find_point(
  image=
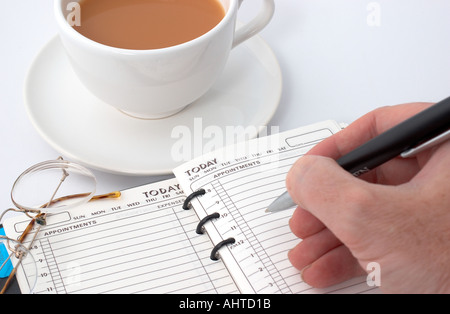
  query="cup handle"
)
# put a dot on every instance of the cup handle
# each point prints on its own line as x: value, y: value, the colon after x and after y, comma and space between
x: 256, y: 25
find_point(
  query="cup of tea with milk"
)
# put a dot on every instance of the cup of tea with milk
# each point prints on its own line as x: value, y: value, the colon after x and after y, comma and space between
x: 152, y: 58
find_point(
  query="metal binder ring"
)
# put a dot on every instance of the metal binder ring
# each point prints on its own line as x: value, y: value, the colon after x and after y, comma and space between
x: 187, y: 202
x: 200, y: 229
x: 214, y: 253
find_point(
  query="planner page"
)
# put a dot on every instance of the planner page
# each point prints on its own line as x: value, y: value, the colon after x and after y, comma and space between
x: 240, y: 182
x: 143, y: 242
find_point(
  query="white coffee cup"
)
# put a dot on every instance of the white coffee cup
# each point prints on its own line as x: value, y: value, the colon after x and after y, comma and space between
x: 160, y: 82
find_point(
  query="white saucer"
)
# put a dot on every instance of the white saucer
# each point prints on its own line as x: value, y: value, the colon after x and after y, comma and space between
x: 86, y: 130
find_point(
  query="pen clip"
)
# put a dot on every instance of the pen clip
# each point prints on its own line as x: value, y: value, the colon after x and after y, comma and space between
x: 441, y: 138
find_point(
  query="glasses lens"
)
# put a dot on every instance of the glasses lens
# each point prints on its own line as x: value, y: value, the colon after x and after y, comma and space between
x: 53, y: 185
x: 12, y: 254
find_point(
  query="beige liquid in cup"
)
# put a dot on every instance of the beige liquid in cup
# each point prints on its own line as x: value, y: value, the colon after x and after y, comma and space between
x: 147, y: 24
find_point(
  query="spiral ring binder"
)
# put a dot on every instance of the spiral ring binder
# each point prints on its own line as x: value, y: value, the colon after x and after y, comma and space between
x: 200, y: 229
x: 214, y: 253
x: 187, y: 202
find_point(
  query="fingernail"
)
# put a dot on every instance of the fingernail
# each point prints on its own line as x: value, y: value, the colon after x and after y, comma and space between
x: 302, y: 272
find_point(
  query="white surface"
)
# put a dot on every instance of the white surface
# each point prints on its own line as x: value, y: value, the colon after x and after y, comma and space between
x: 93, y: 133
x: 335, y: 66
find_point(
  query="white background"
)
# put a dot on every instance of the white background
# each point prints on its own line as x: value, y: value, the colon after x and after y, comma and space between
x: 335, y: 65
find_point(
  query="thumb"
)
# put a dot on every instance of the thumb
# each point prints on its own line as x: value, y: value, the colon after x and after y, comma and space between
x: 319, y: 185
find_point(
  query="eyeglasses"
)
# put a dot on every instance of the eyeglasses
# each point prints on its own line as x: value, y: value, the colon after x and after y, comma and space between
x: 42, y: 190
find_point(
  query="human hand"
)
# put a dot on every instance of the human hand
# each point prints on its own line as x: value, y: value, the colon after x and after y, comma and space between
x: 398, y: 215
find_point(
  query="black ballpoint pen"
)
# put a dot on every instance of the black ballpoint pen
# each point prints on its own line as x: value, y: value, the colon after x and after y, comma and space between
x: 427, y: 128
